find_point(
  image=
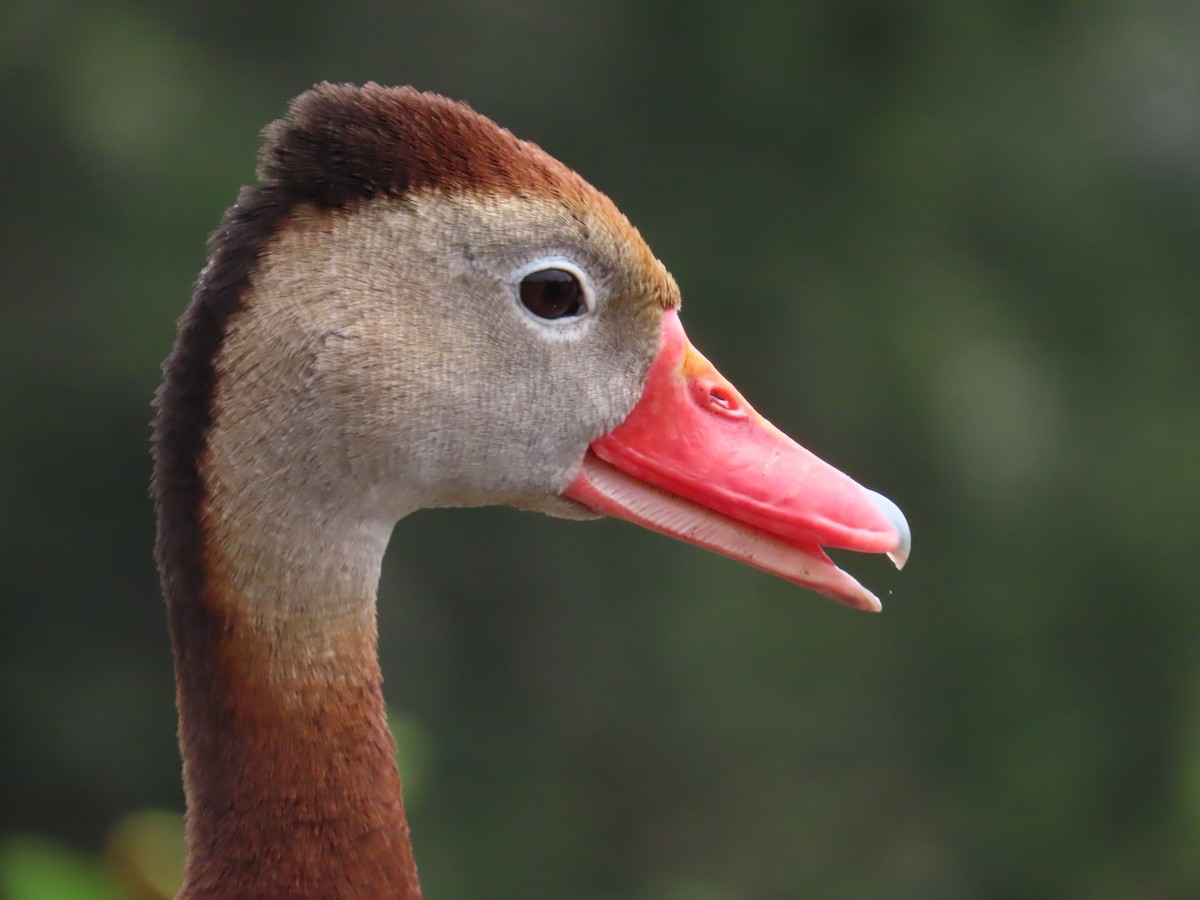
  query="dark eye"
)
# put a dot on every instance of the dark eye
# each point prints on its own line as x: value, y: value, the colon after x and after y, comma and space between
x: 553, y: 294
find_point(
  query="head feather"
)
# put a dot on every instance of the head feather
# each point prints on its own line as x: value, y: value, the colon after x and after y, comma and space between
x: 340, y: 143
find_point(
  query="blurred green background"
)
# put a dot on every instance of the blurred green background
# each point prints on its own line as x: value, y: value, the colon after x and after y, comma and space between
x: 951, y: 246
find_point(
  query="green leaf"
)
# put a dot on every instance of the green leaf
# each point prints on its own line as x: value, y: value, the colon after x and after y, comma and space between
x: 33, y: 868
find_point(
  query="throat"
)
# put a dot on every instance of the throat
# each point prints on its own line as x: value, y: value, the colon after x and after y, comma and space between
x: 289, y: 767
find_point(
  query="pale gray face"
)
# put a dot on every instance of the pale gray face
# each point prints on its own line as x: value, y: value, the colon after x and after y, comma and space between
x: 386, y: 358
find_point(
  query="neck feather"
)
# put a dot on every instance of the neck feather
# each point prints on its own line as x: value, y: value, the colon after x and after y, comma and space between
x: 289, y: 767
x: 289, y: 770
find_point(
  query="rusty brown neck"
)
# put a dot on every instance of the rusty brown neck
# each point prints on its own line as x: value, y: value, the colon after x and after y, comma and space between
x: 289, y: 767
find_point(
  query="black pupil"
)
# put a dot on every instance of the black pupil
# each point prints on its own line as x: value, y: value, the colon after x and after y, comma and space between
x: 552, y: 294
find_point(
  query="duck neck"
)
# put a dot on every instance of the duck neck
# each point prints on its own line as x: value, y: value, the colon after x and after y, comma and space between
x: 289, y: 767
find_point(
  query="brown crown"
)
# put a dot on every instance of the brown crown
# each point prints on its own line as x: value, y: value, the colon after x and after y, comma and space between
x: 340, y: 143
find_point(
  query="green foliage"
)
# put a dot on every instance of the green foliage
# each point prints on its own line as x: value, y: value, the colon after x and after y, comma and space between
x: 147, y: 849
x: 37, y: 869
x: 950, y: 246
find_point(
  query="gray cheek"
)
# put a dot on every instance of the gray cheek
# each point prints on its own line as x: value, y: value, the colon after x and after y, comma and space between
x: 519, y: 432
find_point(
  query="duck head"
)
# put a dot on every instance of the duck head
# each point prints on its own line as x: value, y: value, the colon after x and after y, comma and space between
x: 439, y: 314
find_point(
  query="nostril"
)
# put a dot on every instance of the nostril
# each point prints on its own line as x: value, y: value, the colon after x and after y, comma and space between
x: 722, y: 398
x: 716, y: 396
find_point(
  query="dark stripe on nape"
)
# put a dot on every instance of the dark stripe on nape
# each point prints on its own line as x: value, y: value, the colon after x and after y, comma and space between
x: 184, y: 415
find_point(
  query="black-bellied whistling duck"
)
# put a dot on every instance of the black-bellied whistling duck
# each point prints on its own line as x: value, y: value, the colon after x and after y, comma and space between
x: 416, y: 309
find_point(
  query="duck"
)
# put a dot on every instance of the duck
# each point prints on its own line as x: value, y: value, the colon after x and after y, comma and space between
x: 413, y: 308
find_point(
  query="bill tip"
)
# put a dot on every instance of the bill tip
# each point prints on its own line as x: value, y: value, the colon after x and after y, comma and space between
x: 900, y: 553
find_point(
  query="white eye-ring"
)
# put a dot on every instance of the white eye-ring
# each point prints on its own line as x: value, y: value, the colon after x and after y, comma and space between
x: 555, y: 292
